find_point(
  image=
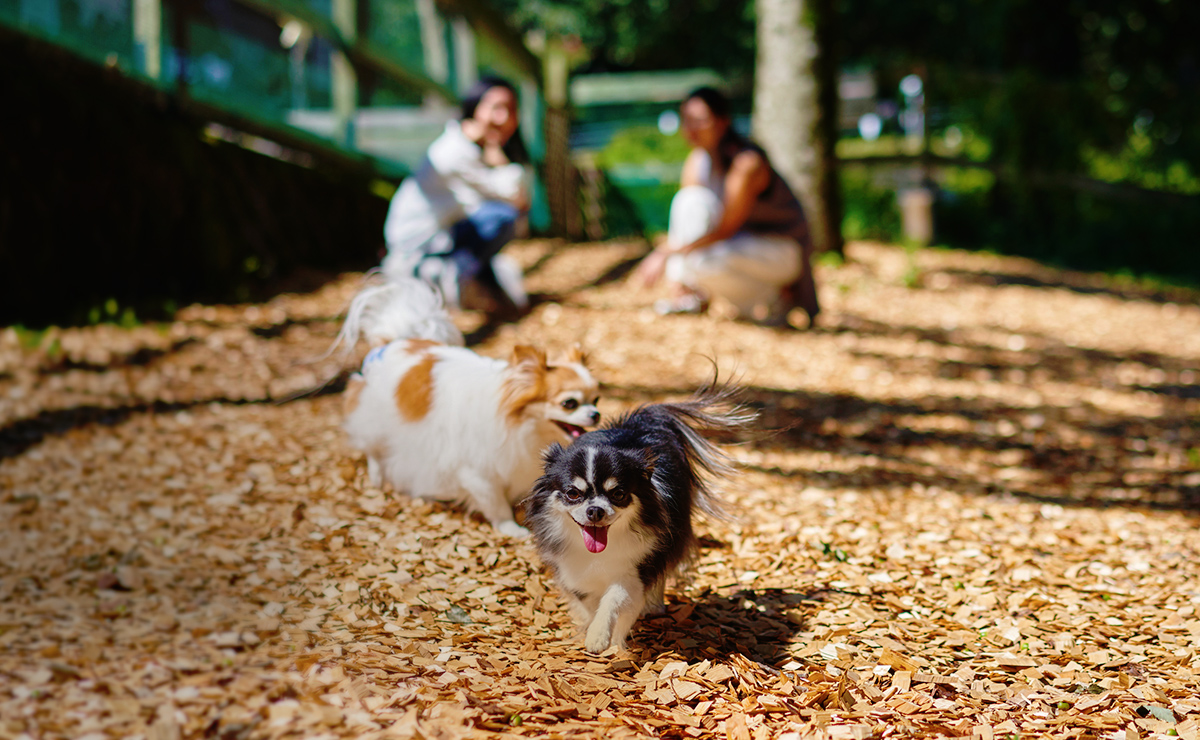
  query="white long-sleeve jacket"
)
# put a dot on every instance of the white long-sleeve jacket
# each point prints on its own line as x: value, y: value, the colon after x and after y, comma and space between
x: 449, y: 184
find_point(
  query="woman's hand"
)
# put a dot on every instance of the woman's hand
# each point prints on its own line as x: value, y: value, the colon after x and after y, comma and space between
x: 653, y: 266
x: 494, y: 156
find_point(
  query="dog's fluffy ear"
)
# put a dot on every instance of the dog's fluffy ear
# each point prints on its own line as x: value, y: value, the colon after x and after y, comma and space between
x: 525, y: 382
x: 552, y: 454
x: 575, y: 355
x: 524, y: 354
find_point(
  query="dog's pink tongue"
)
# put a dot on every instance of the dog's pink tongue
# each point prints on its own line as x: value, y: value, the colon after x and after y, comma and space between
x: 595, y: 538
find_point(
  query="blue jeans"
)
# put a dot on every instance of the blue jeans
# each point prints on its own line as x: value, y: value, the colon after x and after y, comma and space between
x: 481, y: 236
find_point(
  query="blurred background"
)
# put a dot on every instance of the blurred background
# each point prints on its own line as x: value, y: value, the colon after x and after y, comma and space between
x: 160, y: 152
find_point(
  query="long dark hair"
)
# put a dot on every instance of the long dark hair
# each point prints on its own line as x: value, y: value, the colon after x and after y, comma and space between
x: 720, y: 107
x: 514, y: 149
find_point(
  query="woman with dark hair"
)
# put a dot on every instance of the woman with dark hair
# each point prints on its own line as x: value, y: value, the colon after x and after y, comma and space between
x: 450, y: 218
x: 736, y: 231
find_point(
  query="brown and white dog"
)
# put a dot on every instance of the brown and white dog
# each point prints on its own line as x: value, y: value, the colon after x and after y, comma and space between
x: 441, y: 422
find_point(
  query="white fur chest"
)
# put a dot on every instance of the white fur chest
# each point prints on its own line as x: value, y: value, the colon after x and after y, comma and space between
x: 591, y: 573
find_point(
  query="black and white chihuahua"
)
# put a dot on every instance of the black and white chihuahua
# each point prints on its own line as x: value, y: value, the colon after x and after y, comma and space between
x: 612, y: 516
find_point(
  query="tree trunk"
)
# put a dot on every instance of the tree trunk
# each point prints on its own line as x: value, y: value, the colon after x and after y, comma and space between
x: 795, y: 107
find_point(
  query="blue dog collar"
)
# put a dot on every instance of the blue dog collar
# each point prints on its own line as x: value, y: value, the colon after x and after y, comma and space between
x: 375, y: 355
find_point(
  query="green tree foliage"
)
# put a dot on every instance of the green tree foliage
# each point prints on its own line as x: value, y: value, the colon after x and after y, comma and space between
x: 1045, y: 82
x: 1086, y: 112
x: 627, y: 35
x: 1064, y: 94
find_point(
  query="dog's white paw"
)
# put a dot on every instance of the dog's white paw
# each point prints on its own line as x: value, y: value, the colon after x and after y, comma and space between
x: 512, y: 529
x: 597, y: 640
x: 374, y: 473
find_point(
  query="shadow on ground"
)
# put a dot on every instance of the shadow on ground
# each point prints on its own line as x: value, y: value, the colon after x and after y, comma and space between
x: 1071, y: 456
x: 1076, y: 283
x: 20, y: 435
x: 759, y: 624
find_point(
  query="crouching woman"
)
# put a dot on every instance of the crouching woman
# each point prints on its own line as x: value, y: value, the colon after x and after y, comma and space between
x: 449, y: 220
x: 736, y: 231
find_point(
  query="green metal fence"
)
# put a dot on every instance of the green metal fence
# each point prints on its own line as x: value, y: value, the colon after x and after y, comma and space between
x: 369, y: 81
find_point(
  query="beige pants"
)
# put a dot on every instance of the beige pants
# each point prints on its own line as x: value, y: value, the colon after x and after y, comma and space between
x: 748, y: 270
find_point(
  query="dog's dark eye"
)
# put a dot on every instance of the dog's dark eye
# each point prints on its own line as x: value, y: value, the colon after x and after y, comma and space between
x: 619, y: 497
x: 570, y: 404
x: 572, y: 495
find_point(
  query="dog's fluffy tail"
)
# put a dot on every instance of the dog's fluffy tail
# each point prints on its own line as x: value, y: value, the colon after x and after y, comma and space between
x: 396, y: 309
x: 713, y: 408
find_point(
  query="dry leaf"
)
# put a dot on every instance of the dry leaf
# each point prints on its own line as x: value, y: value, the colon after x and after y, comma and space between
x: 966, y: 511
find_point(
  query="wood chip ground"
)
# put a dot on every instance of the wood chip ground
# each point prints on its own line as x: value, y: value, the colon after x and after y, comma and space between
x: 969, y: 509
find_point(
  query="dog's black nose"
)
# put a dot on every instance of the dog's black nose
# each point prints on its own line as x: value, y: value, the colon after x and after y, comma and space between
x: 595, y: 417
x: 595, y: 513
